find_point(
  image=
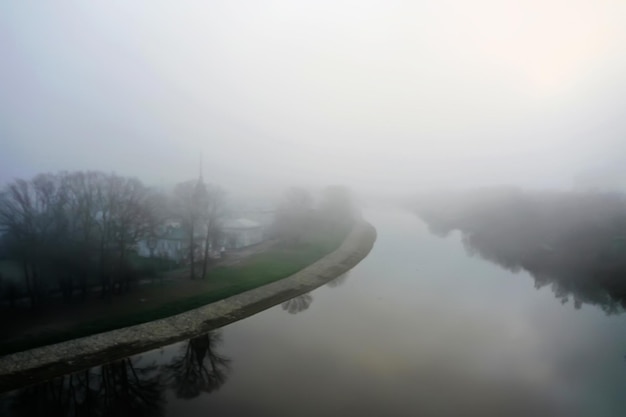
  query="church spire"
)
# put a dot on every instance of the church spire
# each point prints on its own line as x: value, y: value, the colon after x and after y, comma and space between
x: 200, y: 178
x: 200, y: 192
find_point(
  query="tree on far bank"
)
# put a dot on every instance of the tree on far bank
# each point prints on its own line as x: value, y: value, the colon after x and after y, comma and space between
x: 191, y: 201
x: 213, y: 214
x: 294, y: 215
x: 337, y: 205
x: 64, y: 228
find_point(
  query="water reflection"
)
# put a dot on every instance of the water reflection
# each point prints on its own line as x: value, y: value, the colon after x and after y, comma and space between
x: 117, y: 389
x: 339, y: 281
x: 575, y: 243
x: 303, y: 302
x: 199, y: 368
x: 298, y: 304
x: 603, y: 287
x: 126, y: 387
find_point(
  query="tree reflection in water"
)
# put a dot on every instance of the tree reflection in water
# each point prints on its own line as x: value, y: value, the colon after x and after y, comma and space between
x: 339, y: 281
x: 116, y: 389
x: 125, y: 388
x: 199, y: 368
x: 298, y: 304
x: 573, y: 242
x: 303, y: 302
x: 597, y: 282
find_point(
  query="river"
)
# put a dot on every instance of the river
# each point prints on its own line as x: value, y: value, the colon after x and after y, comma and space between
x: 417, y: 328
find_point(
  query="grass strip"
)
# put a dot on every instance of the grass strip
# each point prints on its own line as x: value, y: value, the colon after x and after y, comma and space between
x: 258, y: 270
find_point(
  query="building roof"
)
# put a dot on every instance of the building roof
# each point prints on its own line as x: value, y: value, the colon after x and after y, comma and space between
x: 241, y: 223
x: 177, y: 232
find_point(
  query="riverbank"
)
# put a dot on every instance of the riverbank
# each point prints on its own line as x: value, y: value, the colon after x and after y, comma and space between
x: 24, y: 328
x: 34, y: 365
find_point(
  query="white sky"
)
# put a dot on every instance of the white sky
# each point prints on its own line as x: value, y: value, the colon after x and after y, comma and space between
x: 375, y: 94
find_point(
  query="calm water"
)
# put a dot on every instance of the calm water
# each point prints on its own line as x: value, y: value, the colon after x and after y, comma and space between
x: 418, y: 328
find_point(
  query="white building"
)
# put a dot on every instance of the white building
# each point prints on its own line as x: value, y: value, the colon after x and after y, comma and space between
x: 242, y: 232
x: 171, y: 243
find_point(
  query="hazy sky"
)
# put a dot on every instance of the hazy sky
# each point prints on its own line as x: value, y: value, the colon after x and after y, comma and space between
x: 385, y: 94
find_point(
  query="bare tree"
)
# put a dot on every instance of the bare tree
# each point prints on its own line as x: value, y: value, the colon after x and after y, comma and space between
x: 133, y: 222
x: 213, y: 214
x: 191, y: 202
x: 58, y: 226
x: 32, y: 215
x: 123, y: 217
x: 293, y: 215
x: 82, y: 189
x: 338, y: 206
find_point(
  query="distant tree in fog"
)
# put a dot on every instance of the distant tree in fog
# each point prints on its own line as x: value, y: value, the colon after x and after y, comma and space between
x: 299, y: 220
x: 191, y: 202
x: 32, y: 216
x: 294, y: 215
x: 124, y: 218
x: 338, y: 205
x: 573, y: 241
x: 213, y: 213
x: 83, y: 209
x: 64, y: 228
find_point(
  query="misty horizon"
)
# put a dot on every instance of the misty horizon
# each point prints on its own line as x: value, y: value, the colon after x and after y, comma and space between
x: 373, y: 95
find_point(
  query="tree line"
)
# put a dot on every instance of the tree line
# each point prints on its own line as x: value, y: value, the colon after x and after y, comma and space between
x: 71, y: 231
x: 573, y: 241
x: 301, y: 219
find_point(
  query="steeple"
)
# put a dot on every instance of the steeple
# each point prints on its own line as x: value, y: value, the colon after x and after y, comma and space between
x: 201, y: 195
x: 200, y: 179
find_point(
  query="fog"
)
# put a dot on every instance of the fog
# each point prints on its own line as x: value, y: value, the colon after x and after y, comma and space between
x: 374, y: 95
x: 572, y: 242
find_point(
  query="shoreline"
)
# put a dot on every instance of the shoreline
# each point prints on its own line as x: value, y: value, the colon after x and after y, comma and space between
x: 39, y: 364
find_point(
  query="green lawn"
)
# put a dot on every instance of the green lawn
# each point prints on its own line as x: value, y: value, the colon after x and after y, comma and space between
x: 221, y: 282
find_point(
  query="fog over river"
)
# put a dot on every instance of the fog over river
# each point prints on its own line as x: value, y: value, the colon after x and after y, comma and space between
x: 417, y: 328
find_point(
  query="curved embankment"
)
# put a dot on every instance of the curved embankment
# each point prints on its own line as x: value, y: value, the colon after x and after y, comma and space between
x: 31, y: 366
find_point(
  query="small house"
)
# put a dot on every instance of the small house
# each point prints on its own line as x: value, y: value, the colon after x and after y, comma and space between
x: 242, y: 232
x: 171, y: 242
